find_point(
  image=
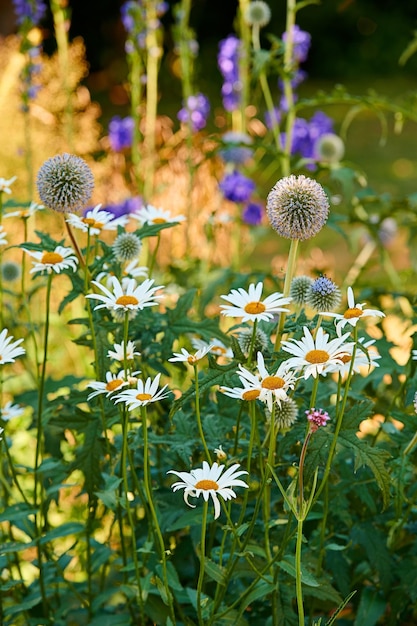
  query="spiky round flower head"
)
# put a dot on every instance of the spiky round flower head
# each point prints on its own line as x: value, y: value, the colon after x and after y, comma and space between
x: 126, y: 247
x: 300, y: 289
x: 297, y: 207
x: 286, y: 414
x: 244, y: 339
x: 10, y: 271
x: 258, y: 13
x: 317, y: 418
x: 329, y: 148
x: 65, y: 183
x: 324, y: 294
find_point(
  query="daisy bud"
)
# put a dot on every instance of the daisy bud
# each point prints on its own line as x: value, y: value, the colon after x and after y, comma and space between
x: 65, y: 183
x: 258, y: 13
x: 244, y: 339
x: 286, y: 414
x: 127, y: 247
x: 324, y: 294
x: 220, y: 453
x: 10, y: 271
x: 297, y: 207
x: 329, y: 148
x: 300, y: 289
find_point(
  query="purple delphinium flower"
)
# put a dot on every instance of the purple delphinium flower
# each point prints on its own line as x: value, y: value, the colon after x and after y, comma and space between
x: 272, y: 118
x: 237, y: 187
x: 32, y: 10
x: 306, y: 133
x: 130, y: 205
x: 228, y: 62
x: 301, y: 43
x: 233, y: 150
x: 252, y: 214
x: 195, y: 111
x: 121, y: 132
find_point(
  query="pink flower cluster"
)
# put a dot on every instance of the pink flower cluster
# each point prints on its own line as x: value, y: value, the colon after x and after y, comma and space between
x: 317, y: 418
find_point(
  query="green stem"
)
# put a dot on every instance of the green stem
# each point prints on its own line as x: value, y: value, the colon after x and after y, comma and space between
x: 61, y: 35
x: 198, y: 414
x: 292, y: 259
x: 202, y: 564
x: 298, y: 585
x: 153, y: 55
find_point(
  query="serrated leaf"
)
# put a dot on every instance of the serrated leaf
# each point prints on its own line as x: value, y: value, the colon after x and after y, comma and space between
x: 215, y: 571
x: 372, y: 457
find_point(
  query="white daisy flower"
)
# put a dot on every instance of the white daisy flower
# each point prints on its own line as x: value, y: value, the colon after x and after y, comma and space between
x: 114, y: 382
x: 133, y: 270
x: 185, y: 357
x: 3, y: 235
x: 249, y: 306
x: 5, y: 184
x: 363, y: 360
x: 26, y: 212
x: 250, y: 390
x: 128, y: 297
x: 144, y: 393
x: 10, y: 410
x: 353, y: 313
x: 118, y: 352
x: 9, y: 349
x: 273, y: 387
x: 317, y: 356
x: 210, y: 482
x: 95, y: 220
x: 152, y: 215
x: 215, y: 347
x: 60, y: 259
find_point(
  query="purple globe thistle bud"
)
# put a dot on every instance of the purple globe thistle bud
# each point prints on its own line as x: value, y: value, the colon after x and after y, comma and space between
x: 126, y: 247
x: 121, y: 132
x: 329, y: 148
x: 228, y: 62
x: 261, y: 343
x: 195, y: 111
x: 257, y: 13
x: 286, y: 414
x: 301, y: 43
x: 252, y: 214
x: 31, y: 10
x: 237, y: 187
x: 297, y: 207
x: 65, y: 183
x: 317, y: 418
x: 130, y: 205
x: 324, y: 294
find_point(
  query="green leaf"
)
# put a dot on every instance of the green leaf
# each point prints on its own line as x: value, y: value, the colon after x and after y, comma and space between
x: 70, y: 528
x: 372, y: 606
x: 287, y: 564
x: 372, y: 457
x: 215, y: 571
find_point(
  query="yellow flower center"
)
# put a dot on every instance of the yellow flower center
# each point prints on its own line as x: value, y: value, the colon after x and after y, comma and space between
x: 126, y: 300
x: 191, y: 359
x: 143, y: 396
x: 251, y: 394
x: 92, y: 222
x: 273, y: 382
x: 159, y: 220
x: 51, y: 258
x: 219, y: 349
x: 206, y: 484
x: 317, y: 356
x: 346, y: 358
x: 114, y: 384
x: 253, y: 308
x: 350, y: 313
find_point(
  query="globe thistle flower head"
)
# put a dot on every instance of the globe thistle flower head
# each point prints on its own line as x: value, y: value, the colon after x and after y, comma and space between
x: 286, y: 413
x: 244, y: 339
x: 126, y: 247
x: 297, y: 207
x: 10, y: 271
x: 317, y: 418
x: 329, y: 148
x: 65, y: 183
x: 324, y: 294
x: 300, y: 289
x: 258, y: 13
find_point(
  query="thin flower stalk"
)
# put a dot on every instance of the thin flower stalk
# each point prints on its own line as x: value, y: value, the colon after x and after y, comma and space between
x: 289, y: 275
x: 198, y: 413
x: 200, y: 582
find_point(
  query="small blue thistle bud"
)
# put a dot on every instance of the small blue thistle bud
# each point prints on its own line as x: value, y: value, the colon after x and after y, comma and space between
x: 329, y: 148
x: 126, y: 247
x: 258, y: 13
x: 10, y: 271
x: 324, y: 294
x: 244, y: 339
x: 65, y: 183
x: 300, y: 289
x: 286, y: 413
